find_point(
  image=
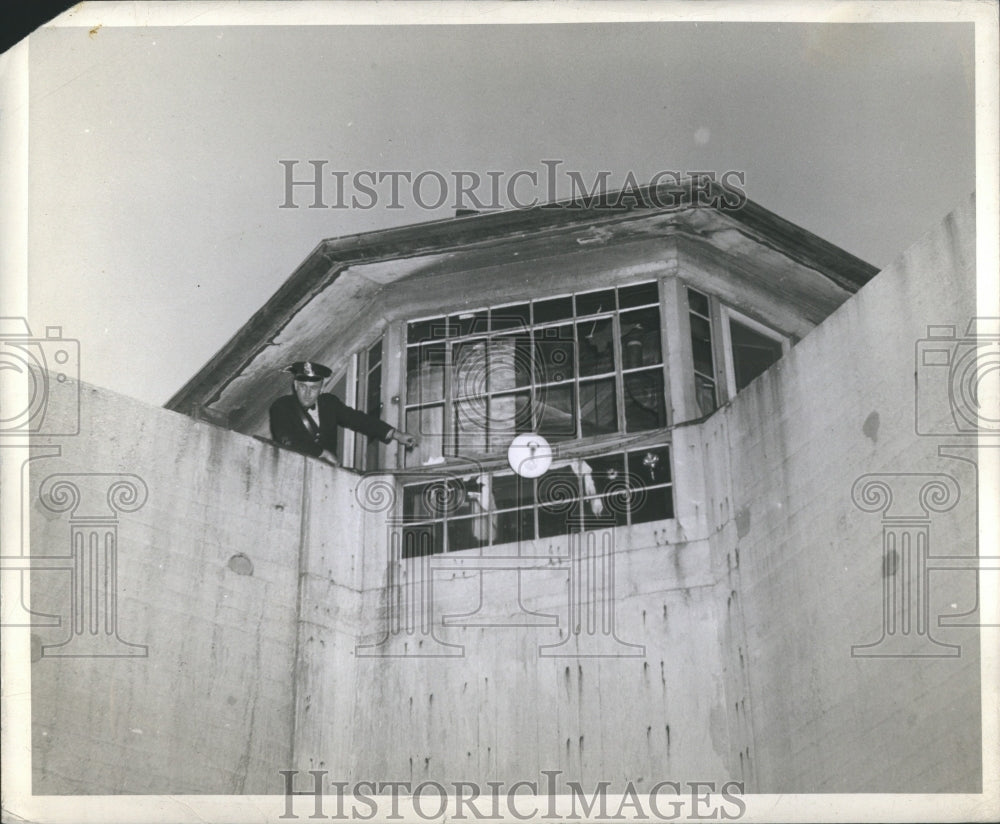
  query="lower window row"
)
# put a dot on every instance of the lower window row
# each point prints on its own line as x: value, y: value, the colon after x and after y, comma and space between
x: 479, y: 509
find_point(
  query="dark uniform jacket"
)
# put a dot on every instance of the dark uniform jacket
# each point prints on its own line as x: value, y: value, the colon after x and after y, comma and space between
x: 292, y: 426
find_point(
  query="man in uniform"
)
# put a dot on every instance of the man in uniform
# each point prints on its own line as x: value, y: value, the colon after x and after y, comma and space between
x: 307, y: 420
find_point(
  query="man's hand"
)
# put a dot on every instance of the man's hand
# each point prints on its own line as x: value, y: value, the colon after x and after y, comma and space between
x: 405, y: 438
x: 329, y: 457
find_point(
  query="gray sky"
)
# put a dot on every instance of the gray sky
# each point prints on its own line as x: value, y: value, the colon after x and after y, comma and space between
x: 155, y: 231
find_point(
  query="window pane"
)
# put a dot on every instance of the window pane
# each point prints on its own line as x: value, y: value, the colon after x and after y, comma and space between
x: 648, y: 470
x: 510, y: 317
x: 555, y: 309
x: 704, y: 391
x: 559, y: 502
x: 427, y: 423
x: 420, y: 502
x: 469, y: 369
x: 638, y: 295
x: 423, y: 539
x: 509, y: 416
x: 596, y: 347
x: 649, y: 466
x: 467, y: 533
x: 555, y: 412
x: 698, y: 302
x: 515, y: 526
x: 554, y: 350
x: 425, y: 373
x: 752, y: 352
x: 645, y: 405
x: 470, y: 426
x: 469, y: 323
x: 510, y: 491
x: 596, y: 512
x: 653, y: 505
x: 373, y: 398
x: 592, y: 303
x: 426, y: 330
x: 509, y: 362
x: 598, y: 407
x: 701, y: 346
x: 641, y: 338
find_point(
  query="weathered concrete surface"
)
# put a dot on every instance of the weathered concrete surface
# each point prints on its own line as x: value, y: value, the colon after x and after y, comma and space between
x: 210, y: 708
x: 789, y: 449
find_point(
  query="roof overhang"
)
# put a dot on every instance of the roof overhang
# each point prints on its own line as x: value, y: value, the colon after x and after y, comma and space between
x: 361, y: 265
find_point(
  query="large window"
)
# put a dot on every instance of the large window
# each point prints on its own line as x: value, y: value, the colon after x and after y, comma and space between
x: 726, y: 347
x: 465, y: 512
x: 576, y: 366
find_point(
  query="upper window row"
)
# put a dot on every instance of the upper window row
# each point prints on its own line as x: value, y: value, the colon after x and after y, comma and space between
x: 576, y: 366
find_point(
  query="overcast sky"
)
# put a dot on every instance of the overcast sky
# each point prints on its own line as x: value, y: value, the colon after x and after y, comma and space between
x: 155, y: 182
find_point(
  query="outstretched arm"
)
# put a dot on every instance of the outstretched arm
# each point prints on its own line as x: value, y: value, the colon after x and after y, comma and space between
x: 371, y: 426
x: 405, y: 438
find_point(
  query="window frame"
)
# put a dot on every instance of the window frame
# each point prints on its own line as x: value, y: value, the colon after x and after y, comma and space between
x: 719, y: 316
x: 727, y: 314
x: 619, y: 372
x: 536, y: 506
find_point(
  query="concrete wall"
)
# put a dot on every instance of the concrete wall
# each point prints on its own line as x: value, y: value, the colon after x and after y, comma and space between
x: 788, y: 451
x: 209, y: 709
x: 498, y: 709
x: 747, y: 604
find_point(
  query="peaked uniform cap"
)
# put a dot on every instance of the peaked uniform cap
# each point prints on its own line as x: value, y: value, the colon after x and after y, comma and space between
x: 308, y: 371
